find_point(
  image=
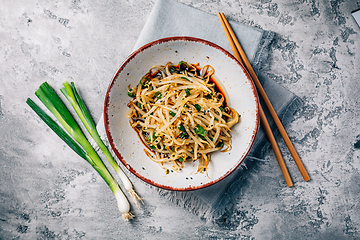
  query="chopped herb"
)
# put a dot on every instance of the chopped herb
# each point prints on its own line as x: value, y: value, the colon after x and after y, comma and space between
x: 181, y: 159
x: 172, y: 113
x: 172, y: 69
x: 220, y: 144
x: 187, y: 91
x: 198, y: 107
x: 144, y: 81
x: 200, y: 131
x: 185, y: 78
x: 152, y: 146
x: 148, y: 137
x: 167, y: 171
x: 183, y: 65
x: 158, y: 95
x: 221, y: 109
x: 186, y: 106
x: 131, y: 93
x: 182, y: 128
x: 183, y: 135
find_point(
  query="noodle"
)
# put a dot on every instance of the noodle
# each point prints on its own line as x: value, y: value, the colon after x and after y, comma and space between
x: 180, y: 115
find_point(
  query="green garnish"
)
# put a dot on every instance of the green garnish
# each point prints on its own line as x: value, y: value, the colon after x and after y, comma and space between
x: 187, y: 91
x: 182, y: 67
x: 183, y: 135
x: 148, y: 137
x: 180, y: 159
x: 144, y: 81
x: 171, y: 69
x: 200, y: 131
x: 182, y: 128
x: 220, y: 144
x: 198, y: 107
x: 158, y: 95
x: 172, y: 113
x: 167, y: 171
x: 131, y: 93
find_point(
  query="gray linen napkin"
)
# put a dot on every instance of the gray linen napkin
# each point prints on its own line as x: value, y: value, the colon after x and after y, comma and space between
x: 170, y: 18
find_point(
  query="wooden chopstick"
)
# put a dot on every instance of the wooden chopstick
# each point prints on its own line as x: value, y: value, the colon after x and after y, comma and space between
x: 264, y: 121
x: 235, y: 45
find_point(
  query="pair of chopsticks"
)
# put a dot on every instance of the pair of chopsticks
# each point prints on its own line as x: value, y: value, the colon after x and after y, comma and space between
x: 240, y: 55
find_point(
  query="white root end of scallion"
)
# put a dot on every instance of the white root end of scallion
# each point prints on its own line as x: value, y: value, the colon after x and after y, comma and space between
x: 135, y: 197
x: 123, y: 205
x: 127, y: 216
x: 128, y: 186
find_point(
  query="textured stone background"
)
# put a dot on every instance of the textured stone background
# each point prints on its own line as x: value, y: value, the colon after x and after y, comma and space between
x: 46, y: 192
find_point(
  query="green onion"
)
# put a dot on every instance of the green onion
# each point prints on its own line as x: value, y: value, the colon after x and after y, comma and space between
x: 220, y: 144
x: 200, y: 131
x: 158, y: 95
x: 181, y: 67
x: 131, y: 93
x: 58, y: 130
x: 198, y: 107
x: 172, y: 113
x: 183, y: 135
x: 148, y: 137
x: 181, y: 159
x: 172, y: 69
x: 144, y: 81
x: 51, y: 100
x: 73, y: 97
x: 187, y: 91
x: 182, y: 128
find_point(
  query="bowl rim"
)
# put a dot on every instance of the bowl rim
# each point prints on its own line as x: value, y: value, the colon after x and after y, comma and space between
x: 123, y: 65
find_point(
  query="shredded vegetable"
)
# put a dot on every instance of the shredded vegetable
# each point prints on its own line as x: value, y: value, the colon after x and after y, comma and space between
x: 181, y: 115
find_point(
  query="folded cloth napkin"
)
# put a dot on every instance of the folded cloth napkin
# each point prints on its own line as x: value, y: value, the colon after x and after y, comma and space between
x: 169, y: 18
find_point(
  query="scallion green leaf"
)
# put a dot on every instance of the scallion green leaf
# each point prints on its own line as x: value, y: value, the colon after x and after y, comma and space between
x: 73, y: 97
x: 51, y: 100
x: 200, y: 131
x: 158, y: 95
x: 198, y: 107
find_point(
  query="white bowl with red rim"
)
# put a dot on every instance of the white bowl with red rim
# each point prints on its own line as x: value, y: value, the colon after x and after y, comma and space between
x: 232, y: 78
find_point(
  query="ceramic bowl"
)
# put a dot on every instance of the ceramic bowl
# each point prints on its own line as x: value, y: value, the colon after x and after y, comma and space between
x: 231, y: 76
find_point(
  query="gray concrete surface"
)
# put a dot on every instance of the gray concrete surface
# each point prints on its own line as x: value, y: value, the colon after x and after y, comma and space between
x: 47, y: 192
